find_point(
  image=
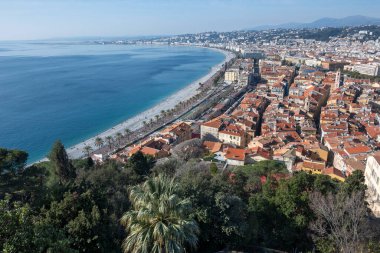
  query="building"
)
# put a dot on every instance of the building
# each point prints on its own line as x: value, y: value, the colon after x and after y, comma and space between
x: 233, y: 134
x: 211, y: 128
x: 178, y: 132
x: 231, y: 76
x: 235, y: 156
x: 333, y: 66
x: 372, y: 180
x: 367, y: 69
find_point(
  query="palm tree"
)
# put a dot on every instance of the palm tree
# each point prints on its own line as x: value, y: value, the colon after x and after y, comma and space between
x: 87, y: 150
x: 118, y: 138
x: 159, y: 221
x: 99, y: 142
x: 157, y: 117
x: 127, y: 132
x: 109, y: 140
x: 163, y: 113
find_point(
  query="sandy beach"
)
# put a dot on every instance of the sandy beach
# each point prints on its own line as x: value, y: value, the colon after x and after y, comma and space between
x: 136, y: 122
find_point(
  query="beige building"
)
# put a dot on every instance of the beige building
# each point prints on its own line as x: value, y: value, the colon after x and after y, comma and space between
x: 233, y: 134
x: 372, y: 180
x: 231, y: 76
x: 211, y: 128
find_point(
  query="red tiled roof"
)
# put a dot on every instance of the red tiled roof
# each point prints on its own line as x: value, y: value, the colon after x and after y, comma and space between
x: 333, y: 171
x: 373, y: 131
x: 357, y: 150
x: 212, y: 146
x: 149, y: 151
x: 313, y: 165
x: 233, y: 130
x: 214, y: 123
x: 235, y: 154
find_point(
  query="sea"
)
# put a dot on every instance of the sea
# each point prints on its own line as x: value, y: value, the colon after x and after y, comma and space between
x: 72, y: 91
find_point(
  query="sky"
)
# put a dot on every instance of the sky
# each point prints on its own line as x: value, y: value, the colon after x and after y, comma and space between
x: 45, y: 19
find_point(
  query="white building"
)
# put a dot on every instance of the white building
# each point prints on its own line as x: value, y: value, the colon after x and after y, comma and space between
x: 372, y: 180
x: 367, y: 69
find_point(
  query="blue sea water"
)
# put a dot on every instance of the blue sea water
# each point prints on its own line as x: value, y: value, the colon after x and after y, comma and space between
x: 73, y: 91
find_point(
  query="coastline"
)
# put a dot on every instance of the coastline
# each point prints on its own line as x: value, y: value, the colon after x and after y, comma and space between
x: 76, y: 151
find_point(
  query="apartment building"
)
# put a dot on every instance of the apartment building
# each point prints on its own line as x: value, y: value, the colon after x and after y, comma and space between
x: 372, y: 180
x: 367, y: 69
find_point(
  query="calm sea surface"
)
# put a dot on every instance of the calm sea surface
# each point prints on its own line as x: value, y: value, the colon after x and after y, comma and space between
x: 51, y: 90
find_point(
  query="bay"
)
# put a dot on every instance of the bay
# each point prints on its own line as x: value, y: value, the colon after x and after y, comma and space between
x: 73, y: 91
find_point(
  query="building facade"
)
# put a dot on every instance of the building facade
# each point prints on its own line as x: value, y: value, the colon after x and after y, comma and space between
x: 372, y: 180
x: 367, y: 69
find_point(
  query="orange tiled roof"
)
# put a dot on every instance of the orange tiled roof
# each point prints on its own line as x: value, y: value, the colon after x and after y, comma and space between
x: 233, y: 130
x: 214, y: 123
x: 313, y: 165
x: 212, y: 146
x: 358, y: 150
x: 235, y: 154
x: 333, y: 171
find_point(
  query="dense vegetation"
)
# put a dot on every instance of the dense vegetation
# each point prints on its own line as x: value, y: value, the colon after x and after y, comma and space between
x: 176, y: 204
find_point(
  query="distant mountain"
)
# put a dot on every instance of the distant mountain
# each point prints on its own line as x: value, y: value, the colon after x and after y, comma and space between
x: 325, y: 22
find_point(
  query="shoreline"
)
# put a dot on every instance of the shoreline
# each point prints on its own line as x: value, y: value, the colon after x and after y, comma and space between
x: 135, y: 122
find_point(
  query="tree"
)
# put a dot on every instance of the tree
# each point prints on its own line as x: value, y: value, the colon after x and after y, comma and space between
x: 87, y: 150
x: 220, y: 213
x: 160, y: 219
x: 27, y: 185
x: 99, y: 142
x: 127, y: 133
x: 83, y: 217
x: 354, y: 183
x: 12, y: 160
x: 61, y: 163
x: 109, y: 140
x: 340, y: 219
x: 163, y: 113
x: 140, y: 163
x: 119, y: 136
x: 16, y: 233
x: 213, y: 168
x: 21, y: 232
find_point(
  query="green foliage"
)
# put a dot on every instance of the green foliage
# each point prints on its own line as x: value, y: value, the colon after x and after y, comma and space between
x: 86, y: 163
x: 83, y: 218
x: 221, y: 214
x: 282, y: 213
x: 213, y: 169
x: 160, y: 219
x: 263, y: 168
x: 354, y: 183
x: 63, y: 168
x: 16, y: 233
x: 76, y: 206
x: 22, y: 232
x: 141, y: 164
x: 11, y: 161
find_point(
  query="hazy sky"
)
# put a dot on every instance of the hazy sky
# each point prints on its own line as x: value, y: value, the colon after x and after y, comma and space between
x: 36, y: 19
